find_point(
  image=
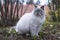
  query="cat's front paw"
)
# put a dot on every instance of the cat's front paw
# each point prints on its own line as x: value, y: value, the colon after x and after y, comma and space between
x: 36, y: 35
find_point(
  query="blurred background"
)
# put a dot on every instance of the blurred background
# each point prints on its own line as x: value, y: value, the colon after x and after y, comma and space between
x: 12, y: 10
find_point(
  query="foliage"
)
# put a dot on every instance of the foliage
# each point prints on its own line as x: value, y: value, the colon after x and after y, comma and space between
x: 9, y: 12
x: 53, y: 16
x: 55, y: 6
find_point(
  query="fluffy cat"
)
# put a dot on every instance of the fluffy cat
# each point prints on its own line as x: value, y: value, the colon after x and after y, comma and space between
x: 31, y: 22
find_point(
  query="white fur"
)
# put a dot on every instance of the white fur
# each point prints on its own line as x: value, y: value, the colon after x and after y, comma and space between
x: 29, y: 22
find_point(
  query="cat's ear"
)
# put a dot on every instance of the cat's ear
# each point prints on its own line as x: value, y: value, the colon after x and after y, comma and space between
x: 35, y: 6
x: 42, y: 7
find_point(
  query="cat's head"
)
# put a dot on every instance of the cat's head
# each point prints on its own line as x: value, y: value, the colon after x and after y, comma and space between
x: 38, y: 11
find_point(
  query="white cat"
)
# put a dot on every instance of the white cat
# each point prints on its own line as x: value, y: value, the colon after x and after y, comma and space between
x: 31, y: 22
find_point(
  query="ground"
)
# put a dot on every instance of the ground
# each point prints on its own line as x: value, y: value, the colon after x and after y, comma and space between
x: 50, y: 31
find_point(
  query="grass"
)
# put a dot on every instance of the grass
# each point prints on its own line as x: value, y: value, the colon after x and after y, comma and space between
x: 50, y: 30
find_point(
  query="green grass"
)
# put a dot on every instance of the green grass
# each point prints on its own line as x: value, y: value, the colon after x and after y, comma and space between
x: 51, y: 23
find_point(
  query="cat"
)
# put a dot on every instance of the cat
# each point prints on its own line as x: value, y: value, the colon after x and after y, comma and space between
x: 31, y: 22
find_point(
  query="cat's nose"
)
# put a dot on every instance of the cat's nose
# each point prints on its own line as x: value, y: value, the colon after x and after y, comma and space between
x: 38, y: 14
